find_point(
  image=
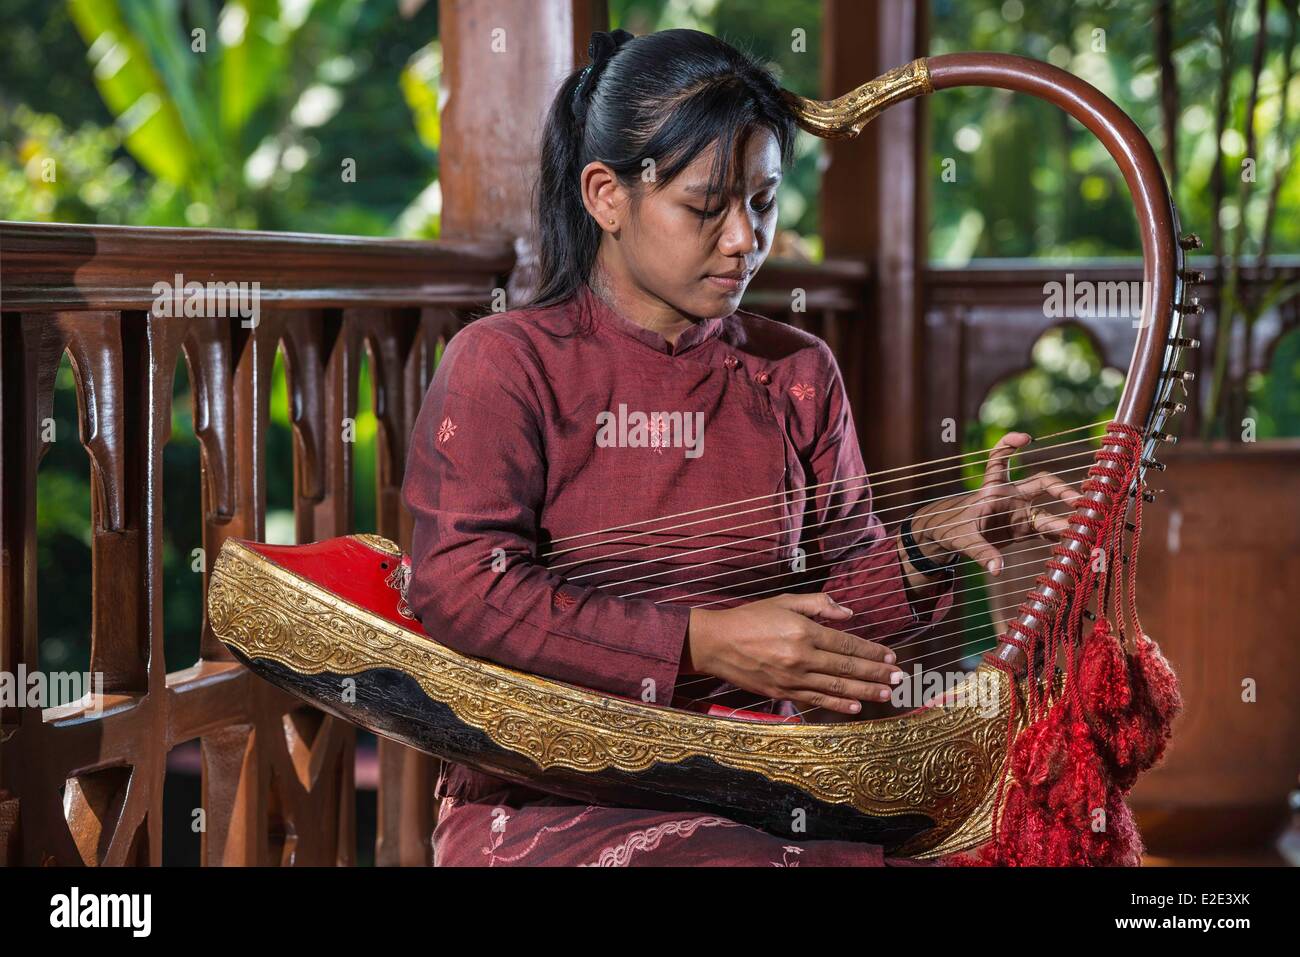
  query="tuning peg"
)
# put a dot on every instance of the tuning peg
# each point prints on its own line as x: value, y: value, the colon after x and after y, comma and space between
x: 1165, y: 437
x: 1153, y: 464
x: 1186, y: 342
x: 1192, y: 276
x: 1190, y: 241
x: 1191, y: 308
x: 1184, y: 375
x: 1173, y: 408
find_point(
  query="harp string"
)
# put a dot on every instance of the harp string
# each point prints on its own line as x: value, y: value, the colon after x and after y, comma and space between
x: 887, y: 531
x: 924, y: 671
x: 928, y: 670
x: 810, y: 581
x: 913, y: 642
x: 865, y: 485
x: 940, y: 631
x: 874, y: 498
x: 947, y: 649
x: 787, y: 585
x: 946, y: 621
x: 995, y: 615
x: 870, y: 517
x: 930, y: 635
x: 922, y: 636
x: 868, y: 475
x: 914, y: 638
x: 898, y: 591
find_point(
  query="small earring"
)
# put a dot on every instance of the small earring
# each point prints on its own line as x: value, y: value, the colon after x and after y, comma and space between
x: 611, y: 222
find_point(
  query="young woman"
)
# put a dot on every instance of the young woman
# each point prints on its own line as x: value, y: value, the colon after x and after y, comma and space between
x: 554, y: 437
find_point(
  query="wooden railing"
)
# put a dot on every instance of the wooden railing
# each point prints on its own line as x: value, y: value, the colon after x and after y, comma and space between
x: 982, y: 321
x: 83, y: 783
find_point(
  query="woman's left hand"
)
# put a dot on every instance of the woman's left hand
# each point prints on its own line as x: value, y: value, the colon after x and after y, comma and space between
x: 979, y: 524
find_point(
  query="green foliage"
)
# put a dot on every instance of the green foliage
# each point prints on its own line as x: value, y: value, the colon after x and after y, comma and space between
x: 364, y: 452
x: 51, y: 173
x: 1274, y: 400
x: 133, y: 87
x: 1066, y: 387
x: 237, y: 114
x: 420, y: 79
x: 1032, y: 182
x: 1014, y: 176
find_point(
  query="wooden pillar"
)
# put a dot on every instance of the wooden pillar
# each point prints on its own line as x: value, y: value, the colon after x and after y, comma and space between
x: 873, y: 209
x: 502, y: 63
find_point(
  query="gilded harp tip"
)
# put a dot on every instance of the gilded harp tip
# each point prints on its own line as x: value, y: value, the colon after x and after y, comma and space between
x: 844, y: 117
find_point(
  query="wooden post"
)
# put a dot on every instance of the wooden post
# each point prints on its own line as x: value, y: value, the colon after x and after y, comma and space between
x: 502, y: 63
x: 873, y: 210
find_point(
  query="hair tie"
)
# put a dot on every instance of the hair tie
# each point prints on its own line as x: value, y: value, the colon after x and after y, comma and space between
x: 603, y: 45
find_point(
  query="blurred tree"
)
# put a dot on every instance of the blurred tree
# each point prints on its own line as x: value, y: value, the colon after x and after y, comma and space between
x: 1273, y: 399
x: 236, y: 115
x: 51, y: 173
x: 1031, y: 182
x: 1066, y: 387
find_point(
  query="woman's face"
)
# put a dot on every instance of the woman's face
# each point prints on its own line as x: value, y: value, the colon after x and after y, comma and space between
x: 694, y: 257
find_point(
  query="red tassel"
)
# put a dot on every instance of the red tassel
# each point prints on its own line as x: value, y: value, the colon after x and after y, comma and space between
x: 1104, y: 676
x: 1084, y: 783
x: 1040, y: 752
x: 1160, y: 702
x: 1062, y: 802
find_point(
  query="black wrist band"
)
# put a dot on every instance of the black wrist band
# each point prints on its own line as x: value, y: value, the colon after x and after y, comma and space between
x: 922, y: 564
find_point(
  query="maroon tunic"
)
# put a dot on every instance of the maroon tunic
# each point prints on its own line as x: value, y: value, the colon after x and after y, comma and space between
x: 549, y: 448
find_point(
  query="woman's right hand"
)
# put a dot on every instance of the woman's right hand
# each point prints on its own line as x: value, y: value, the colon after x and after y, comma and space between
x: 777, y: 648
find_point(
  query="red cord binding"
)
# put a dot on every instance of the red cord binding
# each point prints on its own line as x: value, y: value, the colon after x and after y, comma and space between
x: 1081, y: 748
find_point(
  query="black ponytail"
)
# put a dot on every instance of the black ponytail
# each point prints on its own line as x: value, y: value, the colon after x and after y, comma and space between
x: 664, y: 96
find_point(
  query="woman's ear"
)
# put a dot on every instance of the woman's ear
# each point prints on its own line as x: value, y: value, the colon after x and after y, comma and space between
x: 603, y: 195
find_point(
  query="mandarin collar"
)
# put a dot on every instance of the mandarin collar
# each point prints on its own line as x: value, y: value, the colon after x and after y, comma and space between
x: 605, y: 315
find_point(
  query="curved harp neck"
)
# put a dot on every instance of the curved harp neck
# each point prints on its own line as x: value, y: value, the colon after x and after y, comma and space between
x: 844, y: 117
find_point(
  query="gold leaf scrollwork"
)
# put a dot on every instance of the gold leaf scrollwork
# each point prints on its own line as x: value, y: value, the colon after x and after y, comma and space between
x: 845, y: 117
x: 940, y: 762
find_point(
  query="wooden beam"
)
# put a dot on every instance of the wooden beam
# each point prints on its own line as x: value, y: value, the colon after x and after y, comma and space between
x: 873, y: 208
x: 51, y: 266
x: 502, y: 63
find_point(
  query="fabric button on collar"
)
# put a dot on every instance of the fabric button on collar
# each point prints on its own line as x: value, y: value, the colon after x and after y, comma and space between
x: 731, y: 362
x: 762, y: 378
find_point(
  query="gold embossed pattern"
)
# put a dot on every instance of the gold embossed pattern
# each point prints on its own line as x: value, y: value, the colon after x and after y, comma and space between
x: 844, y: 117
x: 940, y: 762
x: 379, y: 543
